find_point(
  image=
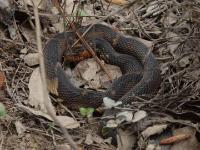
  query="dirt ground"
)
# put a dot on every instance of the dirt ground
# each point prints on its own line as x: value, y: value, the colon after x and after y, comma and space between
x: 170, y: 28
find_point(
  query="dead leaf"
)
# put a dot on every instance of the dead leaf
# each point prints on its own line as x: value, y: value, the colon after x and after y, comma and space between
x: 127, y: 115
x: 35, y: 90
x: 67, y: 122
x: 88, y: 71
x: 109, y: 103
x: 156, y: 129
x: 139, y: 115
x: 111, y: 124
x: 125, y: 140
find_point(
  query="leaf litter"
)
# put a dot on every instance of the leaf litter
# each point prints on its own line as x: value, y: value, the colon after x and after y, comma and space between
x: 169, y: 28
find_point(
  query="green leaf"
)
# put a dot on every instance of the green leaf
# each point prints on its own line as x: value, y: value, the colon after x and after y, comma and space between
x: 2, y: 110
x: 86, y: 112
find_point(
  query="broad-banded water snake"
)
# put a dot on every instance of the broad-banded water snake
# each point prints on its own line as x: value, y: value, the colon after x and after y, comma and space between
x: 141, y: 72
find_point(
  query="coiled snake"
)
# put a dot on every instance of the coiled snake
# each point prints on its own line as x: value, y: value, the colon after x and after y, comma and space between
x: 141, y: 73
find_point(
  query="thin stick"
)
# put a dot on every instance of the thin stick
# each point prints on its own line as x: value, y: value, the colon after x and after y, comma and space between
x: 46, y: 98
x: 85, y: 44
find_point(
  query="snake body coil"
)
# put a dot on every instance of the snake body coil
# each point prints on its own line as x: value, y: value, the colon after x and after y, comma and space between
x: 141, y: 73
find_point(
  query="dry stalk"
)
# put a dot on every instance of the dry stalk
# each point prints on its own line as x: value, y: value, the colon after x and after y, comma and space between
x: 46, y: 98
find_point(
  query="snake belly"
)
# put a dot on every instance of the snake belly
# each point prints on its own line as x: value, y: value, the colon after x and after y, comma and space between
x: 141, y: 72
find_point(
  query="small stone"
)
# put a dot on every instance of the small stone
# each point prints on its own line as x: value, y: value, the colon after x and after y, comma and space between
x: 32, y: 59
x: 24, y: 51
x: 88, y: 139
